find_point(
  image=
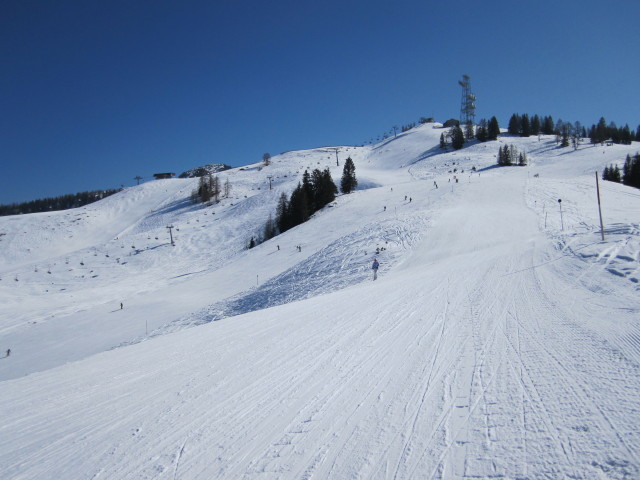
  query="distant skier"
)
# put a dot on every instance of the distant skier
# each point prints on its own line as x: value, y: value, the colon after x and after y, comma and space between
x: 121, y: 306
x: 8, y: 352
x: 374, y: 267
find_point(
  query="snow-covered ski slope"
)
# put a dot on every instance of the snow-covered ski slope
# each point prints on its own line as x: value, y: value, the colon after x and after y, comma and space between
x: 500, y: 340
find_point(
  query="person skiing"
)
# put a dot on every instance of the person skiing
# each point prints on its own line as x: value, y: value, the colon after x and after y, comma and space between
x: 374, y: 267
x: 8, y: 352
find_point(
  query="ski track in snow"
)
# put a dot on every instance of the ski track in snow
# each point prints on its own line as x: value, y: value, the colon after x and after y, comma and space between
x: 497, y: 342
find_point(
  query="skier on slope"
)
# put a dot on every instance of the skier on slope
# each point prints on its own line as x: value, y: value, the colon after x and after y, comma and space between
x: 374, y: 267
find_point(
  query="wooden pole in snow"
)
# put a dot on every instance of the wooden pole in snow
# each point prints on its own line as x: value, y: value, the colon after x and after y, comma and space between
x: 599, y: 208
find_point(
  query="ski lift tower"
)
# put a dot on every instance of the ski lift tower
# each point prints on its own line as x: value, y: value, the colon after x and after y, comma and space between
x: 467, y: 105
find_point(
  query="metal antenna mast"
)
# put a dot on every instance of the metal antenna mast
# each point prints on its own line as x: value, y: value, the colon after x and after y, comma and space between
x: 468, y: 103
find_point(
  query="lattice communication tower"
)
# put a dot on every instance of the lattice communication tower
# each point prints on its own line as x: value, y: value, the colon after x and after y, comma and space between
x: 468, y: 103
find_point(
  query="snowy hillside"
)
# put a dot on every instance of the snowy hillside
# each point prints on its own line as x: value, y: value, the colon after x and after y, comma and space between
x: 501, y: 339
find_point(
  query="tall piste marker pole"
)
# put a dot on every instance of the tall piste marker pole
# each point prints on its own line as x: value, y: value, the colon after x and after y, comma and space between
x: 599, y: 207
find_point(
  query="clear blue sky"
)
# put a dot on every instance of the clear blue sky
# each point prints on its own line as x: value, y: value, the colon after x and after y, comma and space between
x: 93, y: 93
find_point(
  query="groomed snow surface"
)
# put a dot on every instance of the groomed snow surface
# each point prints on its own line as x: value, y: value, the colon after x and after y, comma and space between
x: 501, y: 339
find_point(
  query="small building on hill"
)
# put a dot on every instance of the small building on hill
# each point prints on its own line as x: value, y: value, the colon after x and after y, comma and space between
x: 160, y: 176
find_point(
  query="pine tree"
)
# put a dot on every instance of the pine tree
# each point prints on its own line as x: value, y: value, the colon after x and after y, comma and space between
x: 298, y: 206
x: 482, y: 133
x: 469, y: 131
x: 593, y: 136
x: 514, y: 124
x: 457, y: 138
x: 626, y: 171
x: 625, y: 135
x: 283, y: 221
x: 535, y: 125
x: 348, y: 183
x: 631, y: 171
x: 522, y: 159
x: 309, y: 191
x: 324, y: 189
x: 547, y: 125
x: 269, y: 228
x: 564, y: 133
x: 507, y: 155
x: 615, y: 174
x: 525, y: 126
x: 601, y: 131
x: 493, y: 129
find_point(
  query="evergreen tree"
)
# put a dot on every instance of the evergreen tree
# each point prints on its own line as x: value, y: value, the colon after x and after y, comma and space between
x: 638, y: 134
x: 626, y: 170
x: 631, y: 171
x: 601, y: 133
x: 348, y: 183
x: 283, y: 221
x: 309, y: 191
x: 593, y: 136
x: 62, y: 202
x: 269, y: 228
x: 613, y: 133
x: 507, y: 155
x: 525, y: 126
x: 547, y: 125
x: 298, y: 206
x: 564, y: 134
x: 443, y: 141
x: 493, y: 130
x: 324, y: 189
x: 615, y: 175
x: 514, y: 124
x: 457, y: 138
x: 482, y: 133
x: 469, y: 131
x: 535, y: 125
x: 522, y: 159
x: 625, y: 135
